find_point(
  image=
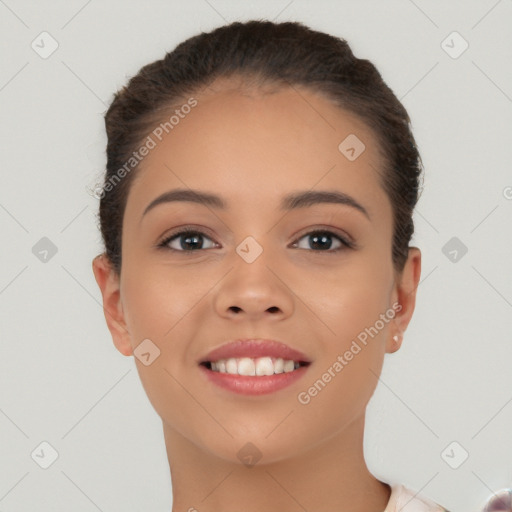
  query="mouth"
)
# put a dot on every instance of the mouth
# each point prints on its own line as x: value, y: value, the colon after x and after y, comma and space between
x: 253, y: 366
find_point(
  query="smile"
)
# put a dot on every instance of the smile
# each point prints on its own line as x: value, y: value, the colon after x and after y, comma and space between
x: 252, y: 376
x: 259, y: 366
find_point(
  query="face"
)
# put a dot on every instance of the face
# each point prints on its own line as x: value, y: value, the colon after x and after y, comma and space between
x: 317, y: 277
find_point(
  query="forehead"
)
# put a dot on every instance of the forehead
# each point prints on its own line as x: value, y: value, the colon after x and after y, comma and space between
x: 253, y: 146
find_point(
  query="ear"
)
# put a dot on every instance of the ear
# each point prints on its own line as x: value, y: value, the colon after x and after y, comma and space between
x: 404, y: 293
x: 108, y: 281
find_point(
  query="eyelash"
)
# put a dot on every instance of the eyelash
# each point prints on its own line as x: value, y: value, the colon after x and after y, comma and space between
x: 345, y: 244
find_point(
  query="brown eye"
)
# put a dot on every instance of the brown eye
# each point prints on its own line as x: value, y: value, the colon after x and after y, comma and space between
x: 186, y: 241
x: 322, y: 240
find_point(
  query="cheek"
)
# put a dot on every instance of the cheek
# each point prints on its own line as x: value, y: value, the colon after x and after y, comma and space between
x: 158, y: 302
x: 351, y: 309
x: 355, y: 310
x: 349, y: 301
x: 155, y: 299
x: 346, y: 374
x: 336, y: 396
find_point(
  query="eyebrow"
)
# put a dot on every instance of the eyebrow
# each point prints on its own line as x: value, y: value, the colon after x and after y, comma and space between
x: 289, y: 202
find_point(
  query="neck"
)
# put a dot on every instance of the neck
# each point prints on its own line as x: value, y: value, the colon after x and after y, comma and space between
x: 331, y: 476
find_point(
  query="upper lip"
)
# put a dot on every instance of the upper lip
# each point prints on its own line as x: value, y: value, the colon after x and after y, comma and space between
x: 255, y: 347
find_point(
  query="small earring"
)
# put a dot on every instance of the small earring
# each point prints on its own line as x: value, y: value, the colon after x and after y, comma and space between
x: 396, y: 338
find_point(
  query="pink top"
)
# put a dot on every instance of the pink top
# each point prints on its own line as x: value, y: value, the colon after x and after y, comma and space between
x: 403, y: 499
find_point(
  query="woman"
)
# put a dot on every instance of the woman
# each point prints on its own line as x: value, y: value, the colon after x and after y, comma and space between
x: 256, y: 214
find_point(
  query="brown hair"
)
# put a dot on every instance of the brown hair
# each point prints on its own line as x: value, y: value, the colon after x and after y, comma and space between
x: 273, y: 54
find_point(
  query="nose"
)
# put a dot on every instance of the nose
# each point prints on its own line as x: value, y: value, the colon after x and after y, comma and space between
x: 254, y: 291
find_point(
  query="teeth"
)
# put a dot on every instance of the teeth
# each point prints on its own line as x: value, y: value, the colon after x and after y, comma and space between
x: 246, y: 366
x: 255, y: 367
x: 231, y: 366
x: 289, y: 366
x: 263, y: 366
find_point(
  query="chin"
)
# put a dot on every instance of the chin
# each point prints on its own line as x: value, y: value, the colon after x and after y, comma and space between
x: 257, y: 449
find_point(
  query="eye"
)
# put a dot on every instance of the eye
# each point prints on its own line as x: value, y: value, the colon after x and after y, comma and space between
x: 321, y: 241
x: 186, y: 240
x: 191, y: 240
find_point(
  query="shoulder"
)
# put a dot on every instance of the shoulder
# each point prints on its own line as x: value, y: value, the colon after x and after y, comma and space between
x: 404, y: 499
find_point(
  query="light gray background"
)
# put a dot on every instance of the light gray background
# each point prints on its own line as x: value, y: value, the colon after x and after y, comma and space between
x: 61, y: 379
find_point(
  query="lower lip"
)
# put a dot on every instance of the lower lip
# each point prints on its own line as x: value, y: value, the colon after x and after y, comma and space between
x: 252, y: 385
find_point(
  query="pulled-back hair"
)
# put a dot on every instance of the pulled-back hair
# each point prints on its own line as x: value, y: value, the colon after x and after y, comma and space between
x: 265, y: 54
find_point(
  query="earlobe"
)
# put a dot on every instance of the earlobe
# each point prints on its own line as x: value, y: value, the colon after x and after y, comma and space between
x: 405, y: 294
x: 108, y: 282
x: 395, y: 344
